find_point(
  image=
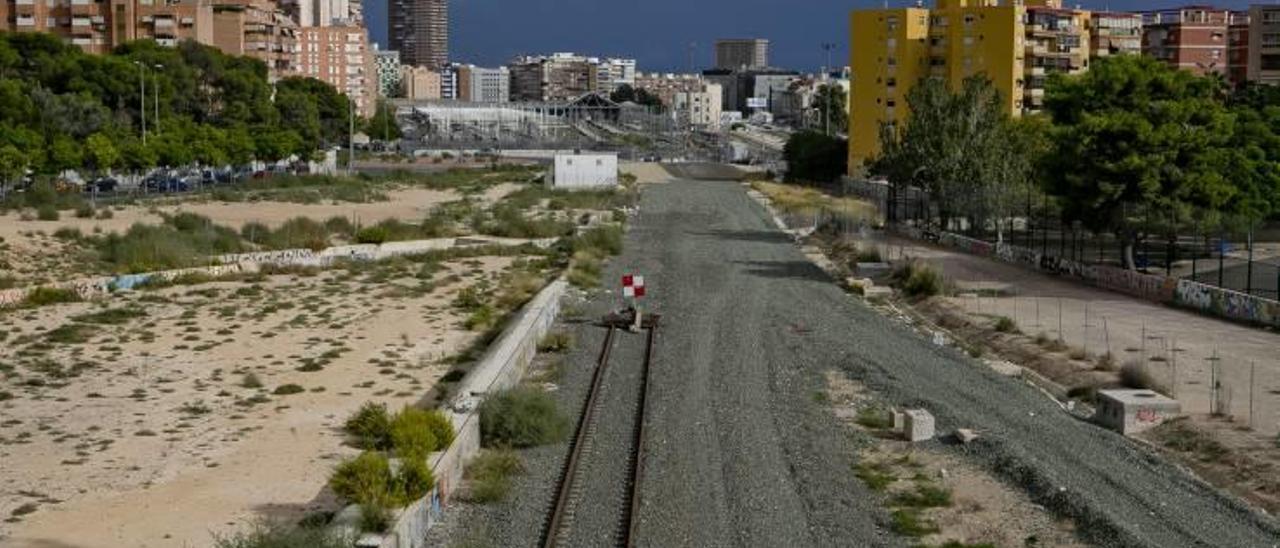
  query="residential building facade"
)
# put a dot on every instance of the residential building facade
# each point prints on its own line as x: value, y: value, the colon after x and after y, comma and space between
x: 483, y: 85
x: 556, y: 78
x: 419, y: 83
x: 419, y: 30
x: 341, y: 57
x: 1264, y: 44
x: 615, y: 73
x: 97, y: 27
x: 698, y: 107
x: 260, y: 29
x: 742, y: 53
x: 386, y: 64
x: 1057, y: 42
x: 1194, y: 38
x: 1115, y: 33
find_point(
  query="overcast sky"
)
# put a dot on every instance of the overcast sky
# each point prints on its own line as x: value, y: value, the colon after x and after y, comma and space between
x: 658, y: 33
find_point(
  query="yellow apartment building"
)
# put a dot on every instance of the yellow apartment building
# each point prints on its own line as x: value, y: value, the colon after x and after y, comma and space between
x: 892, y: 49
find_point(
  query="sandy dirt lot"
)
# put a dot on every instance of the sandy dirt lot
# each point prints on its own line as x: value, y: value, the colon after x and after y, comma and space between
x: 30, y: 254
x: 160, y: 429
x: 1178, y: 346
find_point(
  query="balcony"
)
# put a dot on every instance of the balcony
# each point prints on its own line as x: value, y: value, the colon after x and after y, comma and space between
x: 24, y: 2
x: 26, y: 21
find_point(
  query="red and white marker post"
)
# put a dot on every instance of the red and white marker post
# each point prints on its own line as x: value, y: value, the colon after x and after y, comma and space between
x: 633, y: 290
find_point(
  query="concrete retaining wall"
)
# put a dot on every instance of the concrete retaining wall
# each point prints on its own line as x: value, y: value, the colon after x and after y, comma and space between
x: 502, y: 367
x: 1213, y: 301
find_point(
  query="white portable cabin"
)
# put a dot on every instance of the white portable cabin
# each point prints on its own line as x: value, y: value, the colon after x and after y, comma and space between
x: 591, y: 170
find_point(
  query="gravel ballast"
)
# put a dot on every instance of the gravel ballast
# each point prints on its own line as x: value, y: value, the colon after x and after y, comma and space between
x: 741, y: 451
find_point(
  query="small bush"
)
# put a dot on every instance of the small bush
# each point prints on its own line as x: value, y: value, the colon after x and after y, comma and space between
x: 372, y: 235
x: 364, y: 479
x: 72, y: 333
x: 279, y: 534
x: 42, y: 296
x: 1135, y: 374
x: 411, y: 435
x: 481, y: 319
x: 414, y: 480
x: 873, y: 418
x: 490, y: 473
x: 917, y: 279
x: 288, y: 389
x: 521, y: 417
x: 1004, y: 324
x: 85, y: 211
x: 375, y: 517
x: 556, y: 341
x: 47, y: 213
x: 113, y: 316
x: 251, y: 380
x: 6, y: 396
x: 584, y: 270
x: 371, y: 426
x: 69, y: 234
x: 105, y: 214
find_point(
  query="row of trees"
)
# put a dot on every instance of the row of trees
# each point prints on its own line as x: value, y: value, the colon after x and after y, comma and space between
x: 63, y: 109
x: 1131, y: 147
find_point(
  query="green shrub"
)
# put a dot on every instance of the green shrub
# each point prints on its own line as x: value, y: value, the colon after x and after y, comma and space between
x: 72, y: 333
x: 364, y: 479
x: 414, y: 479
x: 42, y: 296
x: 490, y: 474
x: 1006, y: 325
x: 371, y: 426
x: 411, y: 435
x: 375, y: 516
x: 909, y: 523
x: 105, y: 214
x: 372, y: 235
x: 917, y: 279
x: 875, y: 474
x: 521, y: 417
x: 339, y: 225
x: 601, y: 241
x: 481, y: 319
x: 925, y: 496
x: 47, y: 213
x: 288, y: 389
x: 584, y: 270
x: 183, y: 240
x: 299, y: 232
x: 255, y: 232
x: 279, y: 534
x: 85, y: 211
x: 68, y: 233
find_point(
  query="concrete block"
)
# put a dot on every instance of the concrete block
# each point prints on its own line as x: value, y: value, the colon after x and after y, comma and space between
x: 965, y: 435
x: 899, y: 420
x: 919, y: 425
x: 1131, y: 411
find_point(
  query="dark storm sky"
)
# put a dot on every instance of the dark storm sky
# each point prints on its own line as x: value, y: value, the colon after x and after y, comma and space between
x: 658, y: 32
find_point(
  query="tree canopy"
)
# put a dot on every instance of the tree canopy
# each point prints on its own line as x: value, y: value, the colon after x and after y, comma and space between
x: 640, y: 96
x: 61, y: 108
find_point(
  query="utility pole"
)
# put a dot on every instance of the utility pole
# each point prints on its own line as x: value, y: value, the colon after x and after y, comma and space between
x: 142, y: 99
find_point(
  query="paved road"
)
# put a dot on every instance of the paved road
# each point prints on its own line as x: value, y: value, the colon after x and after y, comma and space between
x: 741, y: 454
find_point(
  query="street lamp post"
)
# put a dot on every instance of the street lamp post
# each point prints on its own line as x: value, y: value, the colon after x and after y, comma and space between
x: 826, y: 89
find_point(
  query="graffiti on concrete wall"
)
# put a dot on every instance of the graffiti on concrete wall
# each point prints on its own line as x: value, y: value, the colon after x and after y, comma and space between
x: 282, y: 257
x: 1226, y: 303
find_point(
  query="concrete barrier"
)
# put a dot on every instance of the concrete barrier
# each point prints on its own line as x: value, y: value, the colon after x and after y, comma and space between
x: 501, y: 367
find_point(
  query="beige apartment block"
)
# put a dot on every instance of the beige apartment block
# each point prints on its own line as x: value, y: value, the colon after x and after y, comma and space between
x: 259, y: 29
x: 420, y: 83
x: 341, y: 57
x: 1264, y: 44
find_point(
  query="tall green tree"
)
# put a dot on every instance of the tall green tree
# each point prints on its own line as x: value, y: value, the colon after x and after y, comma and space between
x: 832, y: 109
x: 101, y: 154
x: 382, y: 125
x: 1139, y: 147
x: 814, y: 158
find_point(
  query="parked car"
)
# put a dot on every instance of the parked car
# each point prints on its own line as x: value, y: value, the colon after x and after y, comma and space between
x: 102, y: 185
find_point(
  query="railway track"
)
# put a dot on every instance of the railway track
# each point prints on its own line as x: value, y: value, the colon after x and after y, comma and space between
x: 560, y: 522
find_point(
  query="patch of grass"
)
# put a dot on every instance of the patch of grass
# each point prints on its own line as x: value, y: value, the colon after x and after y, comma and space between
x: 924, y: 496
x: 521, y: 417
x: 111, y: 316
x: 195, y: 408
x: 42, y: 296
x: 27, y: 508
x: 415, y: 433
x: 72, y: 333
x: 280, y: 534
x: 909, y: 523
x: 490, y: 474
x: 47, y: 213
x: 556, y: 341
x: 288, y: 389
x: 1179, y: 435
x: 875, y: 474
x: 364, y: 479
x: 874, y: 418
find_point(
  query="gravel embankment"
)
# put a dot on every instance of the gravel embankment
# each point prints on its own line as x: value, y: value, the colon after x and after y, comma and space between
x: 740, y: 452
